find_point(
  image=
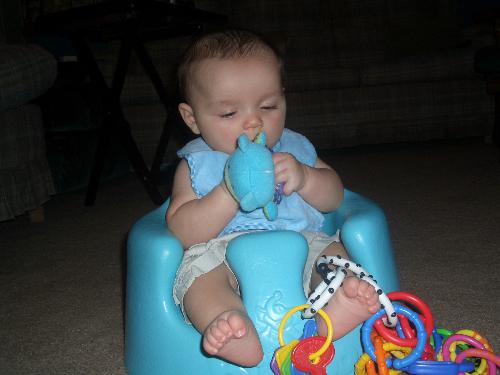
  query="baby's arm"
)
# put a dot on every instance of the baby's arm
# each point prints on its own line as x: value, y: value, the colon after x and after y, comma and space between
x: 194, y: 220
x: 320, y: 185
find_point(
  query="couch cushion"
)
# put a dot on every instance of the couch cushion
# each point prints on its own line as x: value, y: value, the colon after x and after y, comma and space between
x: 415, y: 111
x: 311, y: 63
x: 453, y: 64
x: 26, y: 71
x: 319, y: 76
x: 373, y: 31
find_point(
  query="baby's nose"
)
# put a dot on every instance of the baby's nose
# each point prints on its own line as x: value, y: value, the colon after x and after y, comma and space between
x: 253, y: 121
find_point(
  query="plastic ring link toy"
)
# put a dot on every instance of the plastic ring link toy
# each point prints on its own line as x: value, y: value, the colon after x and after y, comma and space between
x: 380, y: 355
x: 398, y: 363
x: 314, y: 357
x: 332, y: 280
x: 493, y: 360
x: 447, y: 355
x: 382, y: 350
x: 427, y: 367
x: 438, y: 336
x: 409, y: 339
x: 463, y: 345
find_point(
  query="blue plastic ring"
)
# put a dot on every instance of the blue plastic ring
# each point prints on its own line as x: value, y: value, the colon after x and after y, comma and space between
x: 438, y: 340
x: 438, y: 368
x: 416, y: 353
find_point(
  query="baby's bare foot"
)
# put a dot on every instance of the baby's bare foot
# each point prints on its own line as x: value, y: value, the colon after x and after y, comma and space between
x: 232, y: 336
x: 351, y: 305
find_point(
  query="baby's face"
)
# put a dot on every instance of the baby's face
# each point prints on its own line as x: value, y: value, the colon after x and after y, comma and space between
x: 234, y: 96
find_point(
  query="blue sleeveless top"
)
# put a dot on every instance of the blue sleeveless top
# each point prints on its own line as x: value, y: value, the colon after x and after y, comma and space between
x: 207, y: 169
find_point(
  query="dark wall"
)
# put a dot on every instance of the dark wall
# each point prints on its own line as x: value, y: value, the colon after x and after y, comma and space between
x: 11, y: 21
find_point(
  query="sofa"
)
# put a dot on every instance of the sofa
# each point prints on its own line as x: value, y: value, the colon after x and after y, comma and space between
x: 358, y: 72
x: 26, y: 71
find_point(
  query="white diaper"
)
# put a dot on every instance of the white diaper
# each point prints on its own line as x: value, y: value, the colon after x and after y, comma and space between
x: 204, y: 257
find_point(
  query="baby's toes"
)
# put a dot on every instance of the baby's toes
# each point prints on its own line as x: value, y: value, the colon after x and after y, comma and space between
x: 363, y: 289
x: 374, y: 307
x: 237, y: 325
x: 217, y: 335
x: 223, y: 328
x: 373, y: 302
x: 211, y: 344
x: 368, y: 291
x: 351, y: 286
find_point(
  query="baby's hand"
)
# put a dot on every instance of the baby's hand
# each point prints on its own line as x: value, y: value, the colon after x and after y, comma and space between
x: 290, y: 171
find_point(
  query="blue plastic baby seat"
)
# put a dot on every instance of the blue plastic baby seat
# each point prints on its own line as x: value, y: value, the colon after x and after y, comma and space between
x: 269, y: 267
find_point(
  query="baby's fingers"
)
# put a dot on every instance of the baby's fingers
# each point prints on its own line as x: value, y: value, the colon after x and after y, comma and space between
x: 288, y: 180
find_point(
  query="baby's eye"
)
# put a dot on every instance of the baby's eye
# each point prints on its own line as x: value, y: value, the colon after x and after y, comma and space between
x: 269, y: 107
x: 228, y: 114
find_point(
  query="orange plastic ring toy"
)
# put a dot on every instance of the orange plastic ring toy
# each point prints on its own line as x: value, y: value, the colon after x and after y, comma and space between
x: 380, y: 354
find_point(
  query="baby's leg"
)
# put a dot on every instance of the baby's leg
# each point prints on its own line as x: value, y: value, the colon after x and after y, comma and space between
x: 351, y: 304
x: 216, y: 310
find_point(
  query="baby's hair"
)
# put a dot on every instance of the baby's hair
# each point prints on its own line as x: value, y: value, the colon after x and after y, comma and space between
x: 228, y: 44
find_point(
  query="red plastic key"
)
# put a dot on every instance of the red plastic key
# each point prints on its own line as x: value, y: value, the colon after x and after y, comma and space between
x: 308, y: 346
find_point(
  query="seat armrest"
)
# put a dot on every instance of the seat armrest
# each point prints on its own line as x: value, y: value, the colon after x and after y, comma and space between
x: 152, y: 247
x: 365, y: 234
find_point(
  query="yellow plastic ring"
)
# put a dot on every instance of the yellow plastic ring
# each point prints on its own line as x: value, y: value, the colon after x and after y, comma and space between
x: 365, y: 366
x: 360, y: 368
x: 316, y: 355
x: 396, y: 350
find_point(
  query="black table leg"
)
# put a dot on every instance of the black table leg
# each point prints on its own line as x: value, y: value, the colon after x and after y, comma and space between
x: 496, y: 126
x: 114, y: 123
x: 168, y: 104
x: 98, y: 165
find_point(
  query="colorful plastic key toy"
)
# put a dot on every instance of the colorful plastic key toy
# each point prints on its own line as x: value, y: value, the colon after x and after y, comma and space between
x: 301, y: 355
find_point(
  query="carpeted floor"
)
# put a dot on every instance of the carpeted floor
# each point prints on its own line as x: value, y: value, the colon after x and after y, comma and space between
x: 61, y: 282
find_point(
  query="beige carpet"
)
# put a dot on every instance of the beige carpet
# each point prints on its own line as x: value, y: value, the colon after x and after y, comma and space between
x: 61, y: 282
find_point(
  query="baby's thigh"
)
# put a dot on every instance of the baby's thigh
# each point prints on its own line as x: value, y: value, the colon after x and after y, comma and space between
x: 335, y: 248
x: 212, y: 282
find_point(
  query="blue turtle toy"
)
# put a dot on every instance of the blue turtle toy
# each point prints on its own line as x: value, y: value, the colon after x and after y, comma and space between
x: 249, y: 176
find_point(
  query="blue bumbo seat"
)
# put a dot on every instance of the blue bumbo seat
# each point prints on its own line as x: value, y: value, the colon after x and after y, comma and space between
x: 269, y: 267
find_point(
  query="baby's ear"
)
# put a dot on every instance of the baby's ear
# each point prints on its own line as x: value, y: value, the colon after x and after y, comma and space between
x: 187, y: 115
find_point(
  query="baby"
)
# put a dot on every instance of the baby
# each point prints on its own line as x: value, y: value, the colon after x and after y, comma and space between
x: 232, y: 83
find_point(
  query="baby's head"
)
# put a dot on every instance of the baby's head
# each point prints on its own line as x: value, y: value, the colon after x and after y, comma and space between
x: 231, y: 83
x: 224, y: 45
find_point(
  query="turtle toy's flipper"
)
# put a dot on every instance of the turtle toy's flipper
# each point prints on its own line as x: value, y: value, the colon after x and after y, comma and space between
x: 271, y: 211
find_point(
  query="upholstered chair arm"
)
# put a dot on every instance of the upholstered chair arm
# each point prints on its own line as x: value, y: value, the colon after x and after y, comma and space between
x: 26, y: 72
